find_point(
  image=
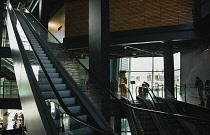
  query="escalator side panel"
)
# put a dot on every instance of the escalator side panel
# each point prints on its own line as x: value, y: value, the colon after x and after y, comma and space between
x: 33, y: 110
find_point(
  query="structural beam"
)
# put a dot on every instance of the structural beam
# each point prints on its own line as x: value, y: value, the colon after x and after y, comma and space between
x: 98, y: 45
x: 168, y: 69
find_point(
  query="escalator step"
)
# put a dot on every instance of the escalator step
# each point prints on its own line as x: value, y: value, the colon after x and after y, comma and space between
x: 48, y: 65
x: 75, y: 109
x: 44, y: 58
x: 40, y: 52
x: 38, y: 49
x: 42, y: 55
x: 66, y: 93
x: 45, y: 61
x: 50, y: 70
x: 48, y: 95
x: 54, y: 80
x: 69, y: 101
x: 52, y: 75
x: 48, y: 87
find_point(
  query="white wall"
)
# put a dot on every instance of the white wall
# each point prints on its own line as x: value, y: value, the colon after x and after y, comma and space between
x: 194, y: 63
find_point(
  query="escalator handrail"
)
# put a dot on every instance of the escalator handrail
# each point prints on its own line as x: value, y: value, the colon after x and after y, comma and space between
x: 107, y: 89
x: 131, y: 96
x: 61, y: 101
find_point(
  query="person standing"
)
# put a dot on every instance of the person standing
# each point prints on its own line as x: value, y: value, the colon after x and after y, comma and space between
x: 199, y: 85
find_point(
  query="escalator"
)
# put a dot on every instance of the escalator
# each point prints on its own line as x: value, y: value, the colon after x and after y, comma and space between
x: 148, y: 120
x: 194, y: 111
x: 162, y: 124
x: 184, y: 125
x: 144, y: 121
x: 175, y: 124
x: 51, y: 100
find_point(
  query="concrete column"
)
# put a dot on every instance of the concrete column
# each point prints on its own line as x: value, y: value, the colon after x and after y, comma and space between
x: 168, y: 67
x: 99, y: 63
x: 114, y: 69
x: 5, y: 117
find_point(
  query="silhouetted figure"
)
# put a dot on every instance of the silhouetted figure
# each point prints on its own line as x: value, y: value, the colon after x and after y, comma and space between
x: 199, y: 85
x: 143, y: 90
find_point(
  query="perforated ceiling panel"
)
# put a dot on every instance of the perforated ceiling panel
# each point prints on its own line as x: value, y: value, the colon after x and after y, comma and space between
x: 138, y: 14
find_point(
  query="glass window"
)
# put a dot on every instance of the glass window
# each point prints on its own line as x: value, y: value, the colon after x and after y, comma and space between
x: 140, y: 77
x: 158, y: 78
x: 176, y: 61
x: 141, y: 64
x: 177, y: 77
x: 158, y: 64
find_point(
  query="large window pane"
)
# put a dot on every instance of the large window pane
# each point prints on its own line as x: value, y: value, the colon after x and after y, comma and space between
x: 141, y: 64
x: 158, y: 64
x: 176, y: 61
x: 140, y: 77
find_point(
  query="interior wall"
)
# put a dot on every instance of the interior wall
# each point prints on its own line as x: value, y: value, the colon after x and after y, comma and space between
x: 194, y: 63
x: 56, y: 24
x: 205, y: 10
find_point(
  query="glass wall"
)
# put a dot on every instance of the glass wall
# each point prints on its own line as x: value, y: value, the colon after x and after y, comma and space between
x: 148, y: 69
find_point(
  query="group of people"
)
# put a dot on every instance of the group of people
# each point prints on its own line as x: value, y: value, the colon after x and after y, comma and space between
x: 200, y: 86
x: 114, y: 87
x: 18, y: 120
